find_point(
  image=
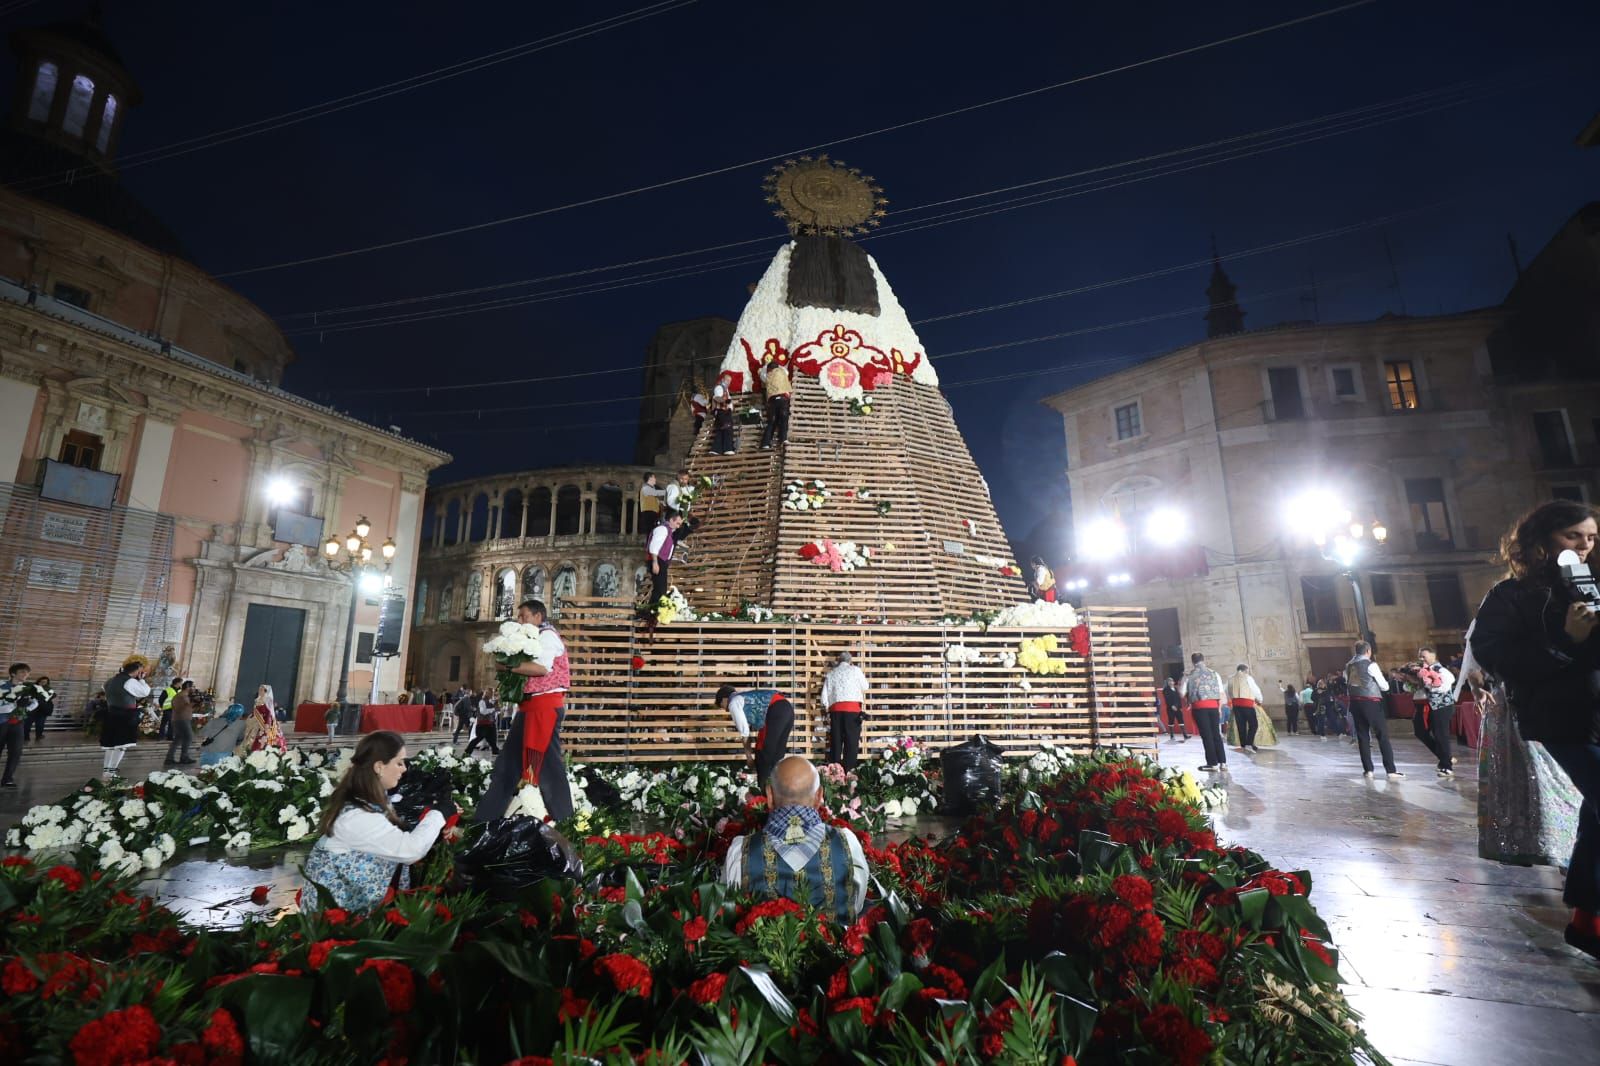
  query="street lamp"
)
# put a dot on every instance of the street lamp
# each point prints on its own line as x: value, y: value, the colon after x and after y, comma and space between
x: 1340, y: 537
x: 353, y: 556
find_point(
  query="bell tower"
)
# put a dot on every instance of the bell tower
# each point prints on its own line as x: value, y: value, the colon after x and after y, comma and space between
x: 72, y: 89
x: 1225, y: 317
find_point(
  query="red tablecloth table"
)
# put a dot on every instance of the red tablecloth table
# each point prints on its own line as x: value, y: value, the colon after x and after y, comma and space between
x: 400, y: 717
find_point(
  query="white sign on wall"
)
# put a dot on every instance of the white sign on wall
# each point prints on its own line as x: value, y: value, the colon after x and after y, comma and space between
x: 63, y: 575
x: 64, y: 528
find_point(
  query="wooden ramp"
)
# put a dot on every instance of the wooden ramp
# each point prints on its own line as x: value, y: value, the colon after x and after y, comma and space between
x: 662, y: 712
x: 939, y: 546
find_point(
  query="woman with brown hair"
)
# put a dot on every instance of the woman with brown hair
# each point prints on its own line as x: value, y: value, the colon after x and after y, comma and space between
x: 1538, y: 636
x: 364, y: 851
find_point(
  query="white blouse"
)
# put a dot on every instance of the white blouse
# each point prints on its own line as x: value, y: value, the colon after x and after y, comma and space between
x: 371, y: 833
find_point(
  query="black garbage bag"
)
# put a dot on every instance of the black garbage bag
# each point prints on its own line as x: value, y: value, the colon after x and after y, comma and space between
x: 419, y: 790
x: 602, y: 793
x: 971, y: 776
x: 512, y: 853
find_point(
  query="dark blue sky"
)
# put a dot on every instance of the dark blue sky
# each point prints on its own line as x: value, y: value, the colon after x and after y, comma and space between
x: 719, y: 82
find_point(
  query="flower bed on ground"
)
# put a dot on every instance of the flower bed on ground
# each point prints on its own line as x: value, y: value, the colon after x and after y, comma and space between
x: 1091, y: 917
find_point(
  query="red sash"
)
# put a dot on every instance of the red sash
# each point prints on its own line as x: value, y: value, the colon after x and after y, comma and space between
x: 1049, y: 596
x: 1243, y: 701
x: 1205, y: 705
x: 539, y: 715
x: 846, y: 707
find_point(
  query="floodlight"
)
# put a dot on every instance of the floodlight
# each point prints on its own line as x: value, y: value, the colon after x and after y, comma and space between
x: 371, y: 582
x: 1103, y: 538
x: 280, y: 490
x: 1166, y: 527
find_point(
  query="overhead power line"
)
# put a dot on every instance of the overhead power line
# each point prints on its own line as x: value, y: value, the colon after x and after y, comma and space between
x: 910, y: 226
x: 670, y: 182
x: 360, y: 98
x: 1368, y: 111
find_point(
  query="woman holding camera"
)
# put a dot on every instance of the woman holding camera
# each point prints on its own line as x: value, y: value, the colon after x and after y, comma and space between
x: 364, y: 851
x: 1536, y: 633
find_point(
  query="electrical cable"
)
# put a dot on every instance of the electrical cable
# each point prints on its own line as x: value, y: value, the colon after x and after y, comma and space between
x: 668, y: 183
x: 901, y: 212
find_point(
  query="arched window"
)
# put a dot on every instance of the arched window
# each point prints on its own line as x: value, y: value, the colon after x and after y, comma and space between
x: 452, y: 521
x: 608, y: 509
x: 505, y: 593
x: 78, y: 103
x: 569, y: 511
x: 430, y: 522
x: 510, y: 514
x: 44, y: 92
x: 421, y: 608
x: 533, y: 583
x: 478, y: 524
x: 474, y: 602
x: 565, y: 587
x: 446, y: 594
x: 606, y: 580
x: 539, y: 513
x: 108, y: 119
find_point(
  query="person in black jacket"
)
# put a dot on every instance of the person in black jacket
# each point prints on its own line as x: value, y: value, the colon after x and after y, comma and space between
x: 1537, y: 635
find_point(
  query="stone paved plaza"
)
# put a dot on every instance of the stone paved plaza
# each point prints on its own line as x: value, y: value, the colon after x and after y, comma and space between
x: 1454, y: 960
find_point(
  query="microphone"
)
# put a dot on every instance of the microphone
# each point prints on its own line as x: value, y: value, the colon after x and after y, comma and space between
x: 1579, y: 578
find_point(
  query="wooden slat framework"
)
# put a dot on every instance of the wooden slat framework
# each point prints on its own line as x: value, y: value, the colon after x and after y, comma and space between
x: 662, y: 712
x: 907, y: 453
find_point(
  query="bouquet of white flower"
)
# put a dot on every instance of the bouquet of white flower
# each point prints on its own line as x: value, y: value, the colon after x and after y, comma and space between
x: 515, y: 644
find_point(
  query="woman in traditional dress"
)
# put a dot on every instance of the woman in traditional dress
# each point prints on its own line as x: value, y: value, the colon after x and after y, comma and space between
x: 261, y: 728
x: 363, y: 851
x: 1538, y: 635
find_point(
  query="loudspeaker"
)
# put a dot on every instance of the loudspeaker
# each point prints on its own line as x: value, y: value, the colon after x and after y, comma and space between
x: 391, y: 621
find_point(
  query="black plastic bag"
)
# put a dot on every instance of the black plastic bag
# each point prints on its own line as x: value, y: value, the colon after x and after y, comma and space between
x: 513, y: 853
x: 971, y: 776
x: 602, y: 793
x: 419, y: 790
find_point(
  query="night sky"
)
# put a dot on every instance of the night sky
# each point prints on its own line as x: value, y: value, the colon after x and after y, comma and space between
x: 1484, y: 147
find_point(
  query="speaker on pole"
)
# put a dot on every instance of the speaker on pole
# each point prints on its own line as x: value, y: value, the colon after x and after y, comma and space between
x: 391, y: 621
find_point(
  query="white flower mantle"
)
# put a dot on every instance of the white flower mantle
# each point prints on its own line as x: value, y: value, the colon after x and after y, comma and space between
x: 847, y: 351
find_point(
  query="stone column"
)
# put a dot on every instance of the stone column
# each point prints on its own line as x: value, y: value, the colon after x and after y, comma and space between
x: 553, y: 494
x: 524, y: 530
x: 463, y: 521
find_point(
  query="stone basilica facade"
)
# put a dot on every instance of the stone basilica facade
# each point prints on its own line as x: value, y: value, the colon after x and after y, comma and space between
x: 491, y: 542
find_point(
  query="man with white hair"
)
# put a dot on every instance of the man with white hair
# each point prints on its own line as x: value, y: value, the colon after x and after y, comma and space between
x: 844, y: 689
x: 796, y: 854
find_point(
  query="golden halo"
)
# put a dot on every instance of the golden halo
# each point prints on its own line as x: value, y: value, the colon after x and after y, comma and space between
x: 824, y: 196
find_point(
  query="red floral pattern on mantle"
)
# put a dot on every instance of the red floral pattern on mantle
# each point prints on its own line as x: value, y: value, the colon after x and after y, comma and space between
x: 856, y: 365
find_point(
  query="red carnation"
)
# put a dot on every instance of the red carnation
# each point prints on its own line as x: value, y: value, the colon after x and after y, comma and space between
x: 1193, y: 971
x: 222, y: 1039
x: 318, y: 955
x: 336, y: 915
x: 1314, y: 945
x: 708, y: 989
x: 637, y: 662
x: 394, y: 917
x: 866, y: 1005
x: 627, y: 973
x: 16, y: 978
x: 125, y: 1036
x: 16, y: 860
x: 694, y: 929
x: 920, y: 935
x: 399, y: 985
x: 1134, y: 891
x: 572, y: 1008
x: 70, y: 879
x: 258, y: 895
x: 1180, y: 1040
x: 771, y: 908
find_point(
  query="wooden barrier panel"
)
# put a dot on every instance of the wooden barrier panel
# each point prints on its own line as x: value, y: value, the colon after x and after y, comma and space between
x: 663, y: 711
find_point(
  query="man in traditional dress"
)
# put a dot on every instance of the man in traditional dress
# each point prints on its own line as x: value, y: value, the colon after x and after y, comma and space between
x: 650, y: 502
x: 533, y: 745
x: 764, y: 718
x: 1245, y: 697
x: 1367, y: 688
x: 796, y: 854
x: 844, y: 689
x: 663, y: 539
x: 778, y: 391
x: 1202, y: 692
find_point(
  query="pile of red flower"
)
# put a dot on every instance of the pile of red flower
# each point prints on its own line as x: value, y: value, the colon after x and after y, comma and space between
x: 1093, y: 919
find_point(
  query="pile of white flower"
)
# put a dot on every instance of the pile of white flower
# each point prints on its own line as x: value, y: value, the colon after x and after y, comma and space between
x: 1037, y: 615
x: 797, y: 496
x: 961, y: 653
x: 681, y: 794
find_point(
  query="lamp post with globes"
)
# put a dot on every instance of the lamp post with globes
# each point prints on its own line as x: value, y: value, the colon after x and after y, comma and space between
x: 354, y: 556
x: 1343, y: 539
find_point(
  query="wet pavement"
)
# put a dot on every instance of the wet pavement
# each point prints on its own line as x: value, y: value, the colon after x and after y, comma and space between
x: 1454, y: 960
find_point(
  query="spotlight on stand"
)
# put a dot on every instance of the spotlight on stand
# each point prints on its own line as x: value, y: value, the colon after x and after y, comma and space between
x: 1345, y: 550
x: 1103, y: 538
x: 280, y: 491
x: 1167, y: 527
